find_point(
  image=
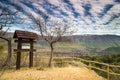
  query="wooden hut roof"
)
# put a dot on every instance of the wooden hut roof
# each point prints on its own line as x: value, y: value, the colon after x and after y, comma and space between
x: 25, y: 35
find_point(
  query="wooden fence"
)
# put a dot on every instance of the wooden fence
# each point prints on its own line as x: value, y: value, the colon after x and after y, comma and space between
x: 91, y: 65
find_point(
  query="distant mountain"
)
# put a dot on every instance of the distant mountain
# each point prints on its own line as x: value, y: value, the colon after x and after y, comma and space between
x: 109, y: 40
x: 90, y: 43
x: 99, y: 43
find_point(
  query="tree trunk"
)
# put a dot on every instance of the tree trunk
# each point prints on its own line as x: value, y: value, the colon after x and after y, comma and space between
x: 9, y: 54
x: 8, y: 59
x: 51, y: 55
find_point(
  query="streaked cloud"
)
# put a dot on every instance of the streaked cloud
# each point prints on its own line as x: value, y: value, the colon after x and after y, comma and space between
x: 90, y: 16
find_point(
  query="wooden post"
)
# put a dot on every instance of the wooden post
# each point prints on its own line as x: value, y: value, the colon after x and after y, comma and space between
x: 89, y: 66
x: 108, y: 74
x: 31, y: 54
x: 18, y: 61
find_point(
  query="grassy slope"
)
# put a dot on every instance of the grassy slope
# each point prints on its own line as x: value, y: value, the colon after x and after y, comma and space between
x: 67, y: 73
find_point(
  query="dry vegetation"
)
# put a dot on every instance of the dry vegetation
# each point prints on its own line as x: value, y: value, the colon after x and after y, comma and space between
x: 67, y: 73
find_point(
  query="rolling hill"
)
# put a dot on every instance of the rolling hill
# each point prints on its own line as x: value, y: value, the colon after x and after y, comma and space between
x: 88, y: 43
x: 99, y: 43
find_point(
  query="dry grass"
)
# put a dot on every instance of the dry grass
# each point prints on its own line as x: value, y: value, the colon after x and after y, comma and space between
x: 67, y: 73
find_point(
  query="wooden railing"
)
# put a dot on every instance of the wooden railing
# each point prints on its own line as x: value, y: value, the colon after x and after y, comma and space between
x: 91, y: 66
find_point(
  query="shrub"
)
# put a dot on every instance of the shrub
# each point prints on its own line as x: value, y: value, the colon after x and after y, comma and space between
x: 60, y: 62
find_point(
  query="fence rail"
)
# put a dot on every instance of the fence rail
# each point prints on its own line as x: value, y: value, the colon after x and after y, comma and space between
x: 91, y: 66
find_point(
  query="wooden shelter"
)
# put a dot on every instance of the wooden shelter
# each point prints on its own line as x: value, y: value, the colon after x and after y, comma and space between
x: 27, y: 38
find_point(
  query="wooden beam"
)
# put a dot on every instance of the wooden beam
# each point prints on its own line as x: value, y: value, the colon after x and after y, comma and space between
x: 24, y: 41
x: 24, y: 50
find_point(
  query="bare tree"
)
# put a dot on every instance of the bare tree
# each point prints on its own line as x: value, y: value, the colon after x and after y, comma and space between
x: 52, y: 31
x: 6, y: 19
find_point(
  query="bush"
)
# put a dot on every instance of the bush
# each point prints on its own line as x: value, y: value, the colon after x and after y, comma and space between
x: 60, y: 62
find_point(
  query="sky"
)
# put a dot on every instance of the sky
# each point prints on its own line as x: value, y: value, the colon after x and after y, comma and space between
x: 89, y: 16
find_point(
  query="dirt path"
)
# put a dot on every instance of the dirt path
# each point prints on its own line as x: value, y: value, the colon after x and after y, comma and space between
x: 67, y: 73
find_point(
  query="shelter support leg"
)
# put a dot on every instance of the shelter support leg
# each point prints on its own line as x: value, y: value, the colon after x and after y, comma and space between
x: 18, y: 61
x: 31, y: 55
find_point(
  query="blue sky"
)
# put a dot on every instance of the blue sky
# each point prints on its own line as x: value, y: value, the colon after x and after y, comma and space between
x: 89, y: 16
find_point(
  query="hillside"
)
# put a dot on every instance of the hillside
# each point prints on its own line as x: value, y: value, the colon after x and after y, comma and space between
x: 85, y: 44
x: 99, y: 43
x: 98, y: 40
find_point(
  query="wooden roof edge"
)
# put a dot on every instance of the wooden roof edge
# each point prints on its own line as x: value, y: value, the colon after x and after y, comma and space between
x: 25, y: 34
